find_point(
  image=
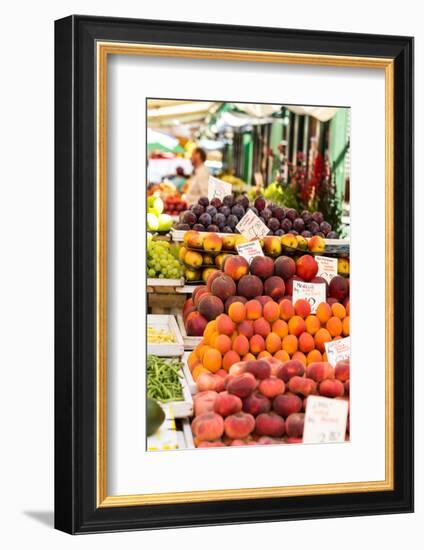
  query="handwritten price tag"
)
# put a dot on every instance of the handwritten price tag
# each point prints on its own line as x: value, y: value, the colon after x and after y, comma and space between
x: 327, y: 267
x: 338, y: 350
x: 314, y: 293
x: 325, y: 420
x: 252, y: 227
x: 218, y: 188
x: 250, y: 250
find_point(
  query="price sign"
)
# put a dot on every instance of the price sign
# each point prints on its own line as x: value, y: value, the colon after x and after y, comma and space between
x: 250, y: 250
x: 314, y: 293
x: 325, y: 420
x: 327, y: 267
x: 338, y: 350
x: 252, y: 227
x: 218, y: 188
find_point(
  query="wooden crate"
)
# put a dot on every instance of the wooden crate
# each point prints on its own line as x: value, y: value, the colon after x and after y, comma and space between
x: 162, y: 304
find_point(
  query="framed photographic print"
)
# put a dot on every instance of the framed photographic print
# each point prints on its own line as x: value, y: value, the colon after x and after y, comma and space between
x: 234, y: 274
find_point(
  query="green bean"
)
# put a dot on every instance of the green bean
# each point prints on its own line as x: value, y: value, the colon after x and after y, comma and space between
x: 164, y: 379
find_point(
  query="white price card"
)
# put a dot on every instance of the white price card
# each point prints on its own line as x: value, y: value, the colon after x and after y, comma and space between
x: 314, y: 293
x: 337, y: 350
x: 218, y: 188
x: 250, y: 250
x: 327, y: 267
x: 252, y: 227
x: 325, y: 420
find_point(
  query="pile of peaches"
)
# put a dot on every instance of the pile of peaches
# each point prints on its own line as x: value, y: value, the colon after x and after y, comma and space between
x: 252, y: 286
x: 262, y: 401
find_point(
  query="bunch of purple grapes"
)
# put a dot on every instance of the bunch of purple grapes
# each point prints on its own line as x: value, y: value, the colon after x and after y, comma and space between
x: 215, y: 215
x: 281, y: 220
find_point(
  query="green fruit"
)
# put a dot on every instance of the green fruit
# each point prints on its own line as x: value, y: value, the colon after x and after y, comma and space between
x: 165, y: 222
x: 152, y: 222
x: 155, y: 416
x: 155, y: 205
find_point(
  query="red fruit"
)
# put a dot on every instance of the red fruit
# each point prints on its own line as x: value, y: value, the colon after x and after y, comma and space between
x: 306, y: 267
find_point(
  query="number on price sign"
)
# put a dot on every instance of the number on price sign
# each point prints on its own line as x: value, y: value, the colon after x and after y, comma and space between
x: 325, y: 420
x: 252, y: 227
x: 314, y: 293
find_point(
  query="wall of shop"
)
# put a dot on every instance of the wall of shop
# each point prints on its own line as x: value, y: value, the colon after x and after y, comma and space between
x: 26, y: 277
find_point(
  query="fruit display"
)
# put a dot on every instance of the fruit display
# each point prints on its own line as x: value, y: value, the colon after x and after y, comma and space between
x: 253, y: 285
x: 162, y: 260
x: 156, y: 220
x: 223, y: 216
x: 164, y: 379
x: 261, y: 328
x: 262, y: 401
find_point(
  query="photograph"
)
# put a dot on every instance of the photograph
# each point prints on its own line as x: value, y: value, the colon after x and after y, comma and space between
x: 248, y: 266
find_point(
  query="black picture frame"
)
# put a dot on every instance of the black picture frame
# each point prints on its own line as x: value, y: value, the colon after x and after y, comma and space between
x: 76, y: 510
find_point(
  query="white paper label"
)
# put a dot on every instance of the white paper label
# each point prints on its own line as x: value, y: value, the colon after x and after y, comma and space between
x: 250, y: 250
x: 314, y: 293
x: 325, y: 420
x: 218, y: 188
x: 252, y: 227
x: 337, y: 350
x: 327, y: 267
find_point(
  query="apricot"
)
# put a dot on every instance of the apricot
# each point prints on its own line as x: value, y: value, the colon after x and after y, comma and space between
x: 346, y: 304
x: 331, y: 388
x: 334, y: 326
x: 286, y: 309
x: 274, y: 287
x: 284, y: 267
x: 256, y: 403
x: 226, y: 404
x: 262, y: 267
x: 306, y: 342
x: 263, y: 354
x: 210, y: 307
x: 289, y: 344
x: 262, y: 327
x: 273, y: 342
x: 302, y: 308
x: 286, y: 404
x: 259, y: 369
x: 229, y: 359
x: 280, y: 327
x: 250, y: 286
x: 212, y: 360
x: 239, y: 425
x: 294, y: 424
x: 241, y: 345
x: 237, y: 312
x: 299, y: 356
x: 193, y: 360
x: 223, y: 287
x: 303, y: 386
x: 296, y: 325
x: 290, y: 369
x: 323, y: 312
x: 201, y: 350
x: 313, y: 356
x: 204, y: 401
x: 209, y: 330
x: 232, y: 300
x: 242, y: 385
x: 249, y: 357
x: 222, y: 343
x: 282, y: 355
x: 306, y: 267
x: 320, y: 371
x: 246, y: 328
x: 346, y: 326
x: 257, y: 344
x: 224, y: 324
x: 321, y: 337
x: 342, y: 371
x: 236, y: 266
x: 339, y: 288
x: 271, y: 311
x: 270, y: 424
x: 197, y: 371
x: 338, y: 310
x: 271, y: 387
x: 253, y: 310
x: 208, y: 426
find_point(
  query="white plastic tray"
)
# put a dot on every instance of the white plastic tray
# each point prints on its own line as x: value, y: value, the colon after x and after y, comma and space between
x: 189, y: 378
x: 168, y: 349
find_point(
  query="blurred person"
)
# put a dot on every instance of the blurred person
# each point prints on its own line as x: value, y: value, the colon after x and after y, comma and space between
x: 179, y: 179
x: 197, y: 184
